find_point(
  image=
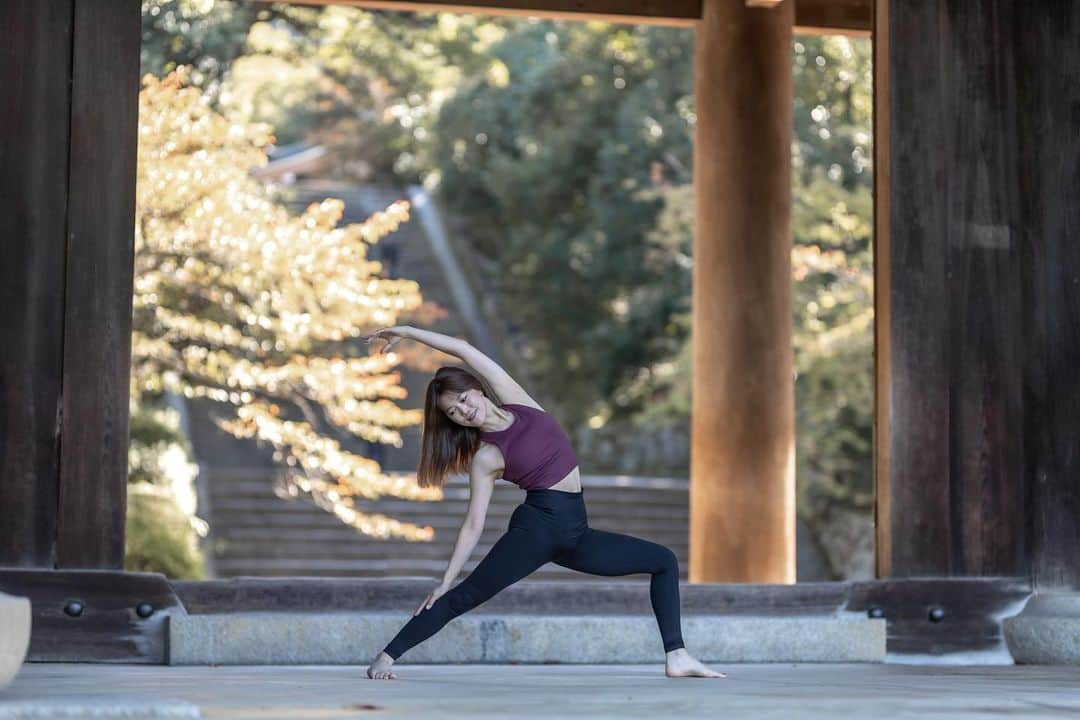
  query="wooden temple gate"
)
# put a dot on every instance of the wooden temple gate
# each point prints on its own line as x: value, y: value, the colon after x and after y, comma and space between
x: 977, y: 335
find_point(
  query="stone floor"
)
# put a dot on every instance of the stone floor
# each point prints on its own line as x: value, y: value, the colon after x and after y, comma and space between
x: 543, y: 691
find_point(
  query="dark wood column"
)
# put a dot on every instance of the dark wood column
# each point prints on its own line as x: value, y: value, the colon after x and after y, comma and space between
x: 36, y: 56
x: 985, y: 289
x: 68, y: 180
x: 742, y: 493
x: 1048, y: 150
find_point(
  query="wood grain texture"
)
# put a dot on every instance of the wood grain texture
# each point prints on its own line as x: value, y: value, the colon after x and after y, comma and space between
x: 100, y: 263
x: 742, y: 475
x: 109, y: 629
x: 34, y: 64
x: 882, y: 431
x: 921, y: 533
x: 1048, y: 72
x: 984, y: 468
x: 973, y: 609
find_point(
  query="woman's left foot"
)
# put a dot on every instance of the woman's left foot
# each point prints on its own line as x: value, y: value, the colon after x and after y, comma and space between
x: 380, y: 668
x: 680, y: 663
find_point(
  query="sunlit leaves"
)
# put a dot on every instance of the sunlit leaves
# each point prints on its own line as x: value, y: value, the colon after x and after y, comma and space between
x: 238, y: 301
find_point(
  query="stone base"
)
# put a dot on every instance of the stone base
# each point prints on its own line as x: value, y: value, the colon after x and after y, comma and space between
x: 355, y: 638
x: 1046, y: 631
x: 14, y: 635
x: 98, y: 709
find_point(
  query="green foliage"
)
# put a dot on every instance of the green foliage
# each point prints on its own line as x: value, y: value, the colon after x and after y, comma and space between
x: 366, y: 85
x: 159, y: 536
x: 547, y: 155
x: 567, y: 149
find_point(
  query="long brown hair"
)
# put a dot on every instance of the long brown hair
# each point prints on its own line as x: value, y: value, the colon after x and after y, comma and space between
x: 446, y: 448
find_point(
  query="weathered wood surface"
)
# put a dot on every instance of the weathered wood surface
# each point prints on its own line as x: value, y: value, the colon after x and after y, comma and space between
x: 984, y: 476
x: 1048, y: 152
x: 972, y: 610
x: 69, y: 149
x: 742, y: 477
x: 109, y: 629
x: 33, y: 184
x: 98, y: 291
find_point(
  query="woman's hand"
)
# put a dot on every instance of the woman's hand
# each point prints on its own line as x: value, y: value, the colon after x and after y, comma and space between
x: 432, y: 597
x: 392, y: 336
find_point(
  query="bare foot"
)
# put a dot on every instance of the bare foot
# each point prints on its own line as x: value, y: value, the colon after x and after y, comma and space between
x: 380, y: 668
x: 682, y: 664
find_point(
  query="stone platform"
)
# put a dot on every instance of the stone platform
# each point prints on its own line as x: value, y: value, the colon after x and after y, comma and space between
x: 449, y: 692
x: 352, y: 638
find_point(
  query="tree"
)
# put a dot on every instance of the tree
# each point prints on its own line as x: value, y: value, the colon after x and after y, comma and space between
x: 366, y: 85
x: 546, y: 154
x: 238, y: 301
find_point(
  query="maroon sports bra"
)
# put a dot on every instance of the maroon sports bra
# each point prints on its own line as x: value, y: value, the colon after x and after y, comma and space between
x: 535, y: 448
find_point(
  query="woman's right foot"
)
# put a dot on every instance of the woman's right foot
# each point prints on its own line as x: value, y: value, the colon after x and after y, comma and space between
x: 380, y: 668
x: 680, y: 663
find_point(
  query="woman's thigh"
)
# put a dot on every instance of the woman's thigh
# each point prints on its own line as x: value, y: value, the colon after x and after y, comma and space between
x: 601, y: 552
x: 522, y: 549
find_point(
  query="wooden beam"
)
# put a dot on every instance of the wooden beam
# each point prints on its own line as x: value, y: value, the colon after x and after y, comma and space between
x: 95, y: 615
x: 818, y: 17
x: 834, y: 17
x: 679, y: 13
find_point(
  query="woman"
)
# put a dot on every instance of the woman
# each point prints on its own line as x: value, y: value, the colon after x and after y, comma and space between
x: 465, y: 430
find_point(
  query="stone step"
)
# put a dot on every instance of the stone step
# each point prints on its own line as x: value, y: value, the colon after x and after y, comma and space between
x: 291, y: 548
x: 354, y: 638
x: 386, y: 567
x: 316, y: 518
x: 337, y: 533
x: 236, y: 510
x: 593, y: 595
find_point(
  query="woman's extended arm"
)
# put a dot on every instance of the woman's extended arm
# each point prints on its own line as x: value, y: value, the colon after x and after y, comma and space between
x: 449, y: 345
x: 483, y: 471
x: 502, y: 384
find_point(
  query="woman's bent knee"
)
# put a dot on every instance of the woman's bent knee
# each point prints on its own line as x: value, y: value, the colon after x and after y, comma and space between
x: 669, y: 561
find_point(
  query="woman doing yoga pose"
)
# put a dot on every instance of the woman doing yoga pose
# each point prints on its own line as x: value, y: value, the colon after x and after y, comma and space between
x: 465, y: 430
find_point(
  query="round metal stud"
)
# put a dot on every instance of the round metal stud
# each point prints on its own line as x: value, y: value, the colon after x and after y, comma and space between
x: 144, y: 609
x: 876, y: 611
x: 74, y: 608
x: 937, y: 614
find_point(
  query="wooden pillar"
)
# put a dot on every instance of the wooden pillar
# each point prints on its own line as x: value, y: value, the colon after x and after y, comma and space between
x: 742, y: 457
x: 882, y: 306
x: 68, y: 183
x: 985, y: 290
x: 1048, y: 234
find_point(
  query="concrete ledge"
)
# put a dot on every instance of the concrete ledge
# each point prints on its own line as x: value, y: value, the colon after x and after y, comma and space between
x: 14, y: 635
x: 355, y: 638
x: 1046, y: 631
x: 97, y: 708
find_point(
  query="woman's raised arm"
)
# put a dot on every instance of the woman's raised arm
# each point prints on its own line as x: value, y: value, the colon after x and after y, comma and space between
x: 501, y: 382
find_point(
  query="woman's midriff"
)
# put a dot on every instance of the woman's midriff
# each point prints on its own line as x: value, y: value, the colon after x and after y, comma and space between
x: 570, y: 483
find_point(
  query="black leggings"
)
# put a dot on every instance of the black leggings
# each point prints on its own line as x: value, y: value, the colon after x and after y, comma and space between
x: 552, y: 526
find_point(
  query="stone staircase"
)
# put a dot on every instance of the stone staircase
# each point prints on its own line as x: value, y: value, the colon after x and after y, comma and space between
x: 257, y: 533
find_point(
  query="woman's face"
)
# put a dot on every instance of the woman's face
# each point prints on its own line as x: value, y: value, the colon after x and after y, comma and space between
x: 465, y: 408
